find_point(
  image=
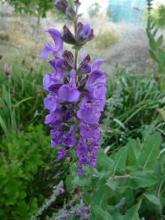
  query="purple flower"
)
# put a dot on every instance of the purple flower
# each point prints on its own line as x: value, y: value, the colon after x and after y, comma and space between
x: 55, y: 49
x: 52, y: 82
x: 61, y: 153
x: 90, y: 131
x: 58, y: 66
x: 56, y: 137
x: 96, y: 64
x: 53, y: 117
x: 80, y: 170
x: 97, y: 91
x: 69, y: 92
x: 95, y: 77
x: 84, y: 32
x: 69, y: 138
x: 51, y: 103
x: 88, y: 113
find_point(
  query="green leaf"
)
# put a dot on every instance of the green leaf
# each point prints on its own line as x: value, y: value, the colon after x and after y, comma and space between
x: 113, y: 184
x: 102, y: 193
x: 133, y: 152
x: 160, y: 41
x: 3, y: 125
x: 150, y: 151
x: 100, y: 214
x: 153, y: 199
x: 154, y: 56
x: 104, y: 162
x: 120, y: 159
x: 132, y: 213
x: 144, y: 179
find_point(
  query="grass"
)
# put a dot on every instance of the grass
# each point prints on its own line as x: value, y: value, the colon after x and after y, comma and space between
x: 132, y: 107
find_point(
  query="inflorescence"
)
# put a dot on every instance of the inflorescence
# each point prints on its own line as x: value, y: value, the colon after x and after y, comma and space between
x: 76, y: 91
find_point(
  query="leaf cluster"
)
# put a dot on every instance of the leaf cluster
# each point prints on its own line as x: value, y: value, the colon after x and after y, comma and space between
x: 127, y: 185
x: 131, y: 108
x: 156, y: 46
x: 25, y: 173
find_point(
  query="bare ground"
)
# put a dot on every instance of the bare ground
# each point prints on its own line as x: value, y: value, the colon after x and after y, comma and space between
x: 131, y: 52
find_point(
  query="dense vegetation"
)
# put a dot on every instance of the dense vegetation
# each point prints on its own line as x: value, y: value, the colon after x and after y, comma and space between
x: 128, y: 182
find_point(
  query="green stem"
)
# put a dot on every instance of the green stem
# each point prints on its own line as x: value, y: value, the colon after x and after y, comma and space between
x: 76, y: 58
x: 75, y: 33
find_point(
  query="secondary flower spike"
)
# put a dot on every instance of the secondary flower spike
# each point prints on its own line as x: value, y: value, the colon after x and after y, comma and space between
x: 76, y: 91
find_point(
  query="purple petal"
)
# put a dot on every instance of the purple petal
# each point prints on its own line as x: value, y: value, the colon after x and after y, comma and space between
x: 86, y: 31
x: 61, y: 153
x: 68, y: 93
x: 97, y: 91
x: 53, y: 117
x: 50, y: 103
x: 45, y: 52
x: 56, y: 137
x: 96, y: 64
x: 69, y: 138
x: 95, y: 77
x: 56, y: 35
x: 52, y: 81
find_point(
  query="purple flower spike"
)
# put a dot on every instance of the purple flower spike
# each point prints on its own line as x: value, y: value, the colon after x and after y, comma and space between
x: 76, y: 92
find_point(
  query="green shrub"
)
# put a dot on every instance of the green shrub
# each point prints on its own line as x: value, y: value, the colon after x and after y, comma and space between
x: 25, y: 173
x: 156, y: 48
x: 106, y: 39
x: 158, y: 16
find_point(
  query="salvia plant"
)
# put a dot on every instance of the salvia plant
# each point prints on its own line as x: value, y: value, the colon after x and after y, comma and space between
x: 76, y: 90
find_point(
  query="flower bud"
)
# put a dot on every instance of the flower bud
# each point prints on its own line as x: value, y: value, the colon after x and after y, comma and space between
x: 69, y: 58
x: 71, y: 13
x: 61, y: 5
x: 7, y: 70
x: 84, y: 33
x: 67, y: 36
